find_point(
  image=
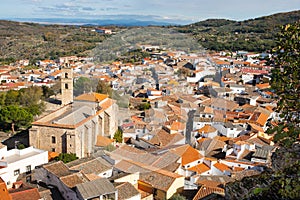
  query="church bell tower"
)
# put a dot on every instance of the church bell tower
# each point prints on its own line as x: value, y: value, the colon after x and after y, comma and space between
x: 66, y: 84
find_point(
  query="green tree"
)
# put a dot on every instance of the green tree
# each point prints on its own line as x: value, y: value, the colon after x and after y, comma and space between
x: 84, y: 84
x: 144, y: 106
x: 30, y: 99
x: 110, y: 148
x: 30, y: 96
x: 36, y: 109
x: 2, y: 98
x: 118, y: 136
x: 12, y: 97
x: 66, y: 157
x: 286, y: 83
x: 47, y: 91
x: 21, y: 146
x: 15, y: 116
x: 104, y: 88
x: 56, y: 87
x: 177, y: 197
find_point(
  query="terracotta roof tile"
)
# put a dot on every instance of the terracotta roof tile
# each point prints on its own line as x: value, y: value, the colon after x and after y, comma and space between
x: 207, y: 129
x: 209, y: 183
x: 52, y: 155
x: 58, y: 168
x: 157, y: 180
x: 94, y: 97
x: 237, y: 169
x: 262, y: 119
x: 126, y: 191
x: 95, y: 165
x: 199, y: 169
x: 72, y: 180
x: 177, y: 126
x: 205, y: 191
x: 222, y: 167
x: 187, y: 153
x: 91, y: 177
x: 263, y: 85
x: 256, y: 127
x: 103, y: 141
x: 163, y: 138
x: 30, y: 194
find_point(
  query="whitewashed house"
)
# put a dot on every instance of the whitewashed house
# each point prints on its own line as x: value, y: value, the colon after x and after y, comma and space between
x: 15, y: 162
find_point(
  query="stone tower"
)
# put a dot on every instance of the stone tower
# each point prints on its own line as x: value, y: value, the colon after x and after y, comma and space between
x: 66, y: 84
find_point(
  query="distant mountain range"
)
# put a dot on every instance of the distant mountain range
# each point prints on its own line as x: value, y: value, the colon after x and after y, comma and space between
x: 94, y: 22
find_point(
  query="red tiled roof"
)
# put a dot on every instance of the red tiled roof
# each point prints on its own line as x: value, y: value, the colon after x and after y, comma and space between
x: 199, y: 169
x: 222, y: 167
x: 207, y: 129
x: 205, y: 191
x: 30, y: 194
x: 103, y: 141
x: 94, y: 97
x: 187, y: 153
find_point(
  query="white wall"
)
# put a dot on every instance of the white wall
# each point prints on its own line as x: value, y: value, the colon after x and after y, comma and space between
x: 19, y: 160
x: 136, y: 197
x: 236, y: 164
x: 3, y: 150
x: 228, y: 132
x: 237, y: 90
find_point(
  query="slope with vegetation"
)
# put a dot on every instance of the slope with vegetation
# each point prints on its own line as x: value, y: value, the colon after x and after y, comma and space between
x: 19, y: 40
x: 251, y: 35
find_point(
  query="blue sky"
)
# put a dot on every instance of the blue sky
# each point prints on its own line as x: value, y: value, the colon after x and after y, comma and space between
x: 178, y: 11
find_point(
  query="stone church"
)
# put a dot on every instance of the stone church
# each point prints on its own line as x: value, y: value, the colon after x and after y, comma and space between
x: 74, y: 127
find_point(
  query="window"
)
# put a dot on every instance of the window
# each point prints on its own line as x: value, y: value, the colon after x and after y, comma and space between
x: 66, y: 75
x: 53, y: 139
x: 28, y: 169
x: 66, y: 86
x: 28, y: 179
x: 16, y: 172
x: 53, y: 149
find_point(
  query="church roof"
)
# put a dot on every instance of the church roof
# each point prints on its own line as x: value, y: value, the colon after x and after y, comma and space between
x: 71, y: 116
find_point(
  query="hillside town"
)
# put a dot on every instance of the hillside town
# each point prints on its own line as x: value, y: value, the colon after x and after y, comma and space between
x: 192, y: 123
